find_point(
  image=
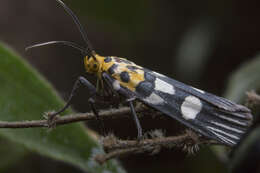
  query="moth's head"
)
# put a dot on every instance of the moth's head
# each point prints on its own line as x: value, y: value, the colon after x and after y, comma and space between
x: 93, y: 63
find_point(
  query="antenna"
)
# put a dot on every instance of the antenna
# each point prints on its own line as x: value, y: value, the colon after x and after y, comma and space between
x: 80, y: 27
x: 67, y: 43
x: 88, y: 50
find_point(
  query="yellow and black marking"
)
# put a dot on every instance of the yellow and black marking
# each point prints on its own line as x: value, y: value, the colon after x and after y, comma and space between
x: 126, y: 72
x: 211, y: 116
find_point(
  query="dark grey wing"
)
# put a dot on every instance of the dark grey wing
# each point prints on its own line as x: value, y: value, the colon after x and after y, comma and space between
x: 210, y: 115
x: 208, y: 97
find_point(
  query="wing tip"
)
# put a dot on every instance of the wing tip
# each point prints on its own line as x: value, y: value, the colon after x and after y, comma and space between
x: 229, y: 127
x: 225, y: 137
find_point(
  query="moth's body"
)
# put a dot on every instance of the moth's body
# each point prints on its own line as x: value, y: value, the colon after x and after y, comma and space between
x: 212, y: 116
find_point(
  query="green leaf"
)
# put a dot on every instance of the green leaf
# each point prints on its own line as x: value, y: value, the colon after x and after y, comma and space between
x: 195, y: 48
x: 13, y: 153
x: 246, y: 78
x: 25, y: 95
x: 247, y: 150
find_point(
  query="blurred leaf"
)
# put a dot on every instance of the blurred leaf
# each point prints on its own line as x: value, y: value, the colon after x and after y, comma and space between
x: 195, y: 48
x: 246, y: 78
x: 25, y: 95
x: 12, y: 153
x: 247, y: 155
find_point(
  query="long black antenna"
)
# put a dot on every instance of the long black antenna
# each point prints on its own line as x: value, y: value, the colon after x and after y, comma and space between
x: 67, y: 43
x: 80, y: 27
x: 88, y: 50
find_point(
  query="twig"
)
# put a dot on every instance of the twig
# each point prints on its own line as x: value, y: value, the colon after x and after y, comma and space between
x: 106, y: 114
x: 102, y: 158
x: 253, y: 98
x: 117, y: 148
x: 110, y: 143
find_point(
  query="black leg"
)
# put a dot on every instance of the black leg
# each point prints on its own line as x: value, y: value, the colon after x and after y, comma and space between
x: 81, y: 80
x: 95, y: 111
x: 137, y: 123
x: 108, y: 81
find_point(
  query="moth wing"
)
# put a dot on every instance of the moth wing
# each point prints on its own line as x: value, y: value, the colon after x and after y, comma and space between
x: 217, y: 101
x: 210, y: 115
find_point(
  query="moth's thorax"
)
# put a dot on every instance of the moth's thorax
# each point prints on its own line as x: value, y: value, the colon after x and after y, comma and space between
x: 127, y: 73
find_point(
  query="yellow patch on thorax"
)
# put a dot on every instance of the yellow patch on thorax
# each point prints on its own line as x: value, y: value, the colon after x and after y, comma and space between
x: 98, y: 65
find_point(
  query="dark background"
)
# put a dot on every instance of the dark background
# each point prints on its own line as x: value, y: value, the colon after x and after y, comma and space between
x: 197, y: 42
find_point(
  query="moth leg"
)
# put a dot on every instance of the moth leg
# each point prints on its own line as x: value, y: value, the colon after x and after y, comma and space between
x: 136, y: 120
x: 110, y: 89
x: 81, y: 80
x: 108, y: 81
x: 92, y: 102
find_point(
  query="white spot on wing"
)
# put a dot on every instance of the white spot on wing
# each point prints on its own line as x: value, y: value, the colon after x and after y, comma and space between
x: 199, y: 90
x: 154, y: 99
x: 162, y: 86
x: 191, y: 107
x: 116, y: 85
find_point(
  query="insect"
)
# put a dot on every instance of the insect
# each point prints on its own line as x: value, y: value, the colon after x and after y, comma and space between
x: 211, y: 116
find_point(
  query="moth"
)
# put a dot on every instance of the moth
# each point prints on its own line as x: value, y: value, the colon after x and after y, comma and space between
x: 211, y: 116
